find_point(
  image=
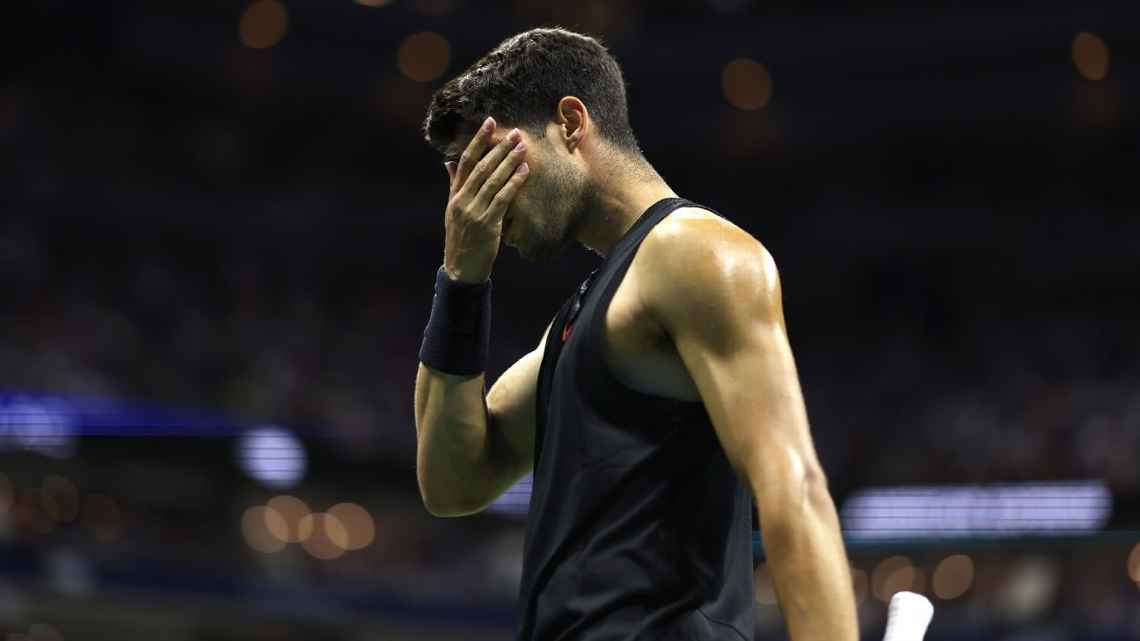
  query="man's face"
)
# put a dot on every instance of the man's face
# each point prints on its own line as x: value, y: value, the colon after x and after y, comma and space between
x: 544, y: 215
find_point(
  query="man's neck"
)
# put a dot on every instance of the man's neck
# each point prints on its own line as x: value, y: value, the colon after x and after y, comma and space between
x: 617, y: 204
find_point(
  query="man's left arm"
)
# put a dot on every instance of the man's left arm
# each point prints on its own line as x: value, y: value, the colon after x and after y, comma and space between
x: 715, y: 290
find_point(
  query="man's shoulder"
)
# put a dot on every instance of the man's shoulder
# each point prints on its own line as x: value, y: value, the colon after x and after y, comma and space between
x: 698, y: 243
x: 696, y: 261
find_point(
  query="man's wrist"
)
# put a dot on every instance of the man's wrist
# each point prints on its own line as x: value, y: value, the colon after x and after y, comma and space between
x: 458, y: 334
x: 464, y: 277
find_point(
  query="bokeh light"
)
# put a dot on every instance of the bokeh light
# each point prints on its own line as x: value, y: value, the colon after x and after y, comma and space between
x: 306, y: 526
x: 918, y: 581
x: 358, y: 524
x: 38, y: 426
x: 747, y: 84
x: 1134, y: 564
x: 60, y: 499
x: 272, y: 455
x: 328, y: 538
x: 291, y: 511
x: 263, y: 24
x: 256, y: 530
x: 374, y: 3
x: 1090, y: 56
x: 103, y: 518
x: 903, y: 578
x: 953, y: 576
x: 424, y: 56
x: 275, y: 524
x: 892, y: 575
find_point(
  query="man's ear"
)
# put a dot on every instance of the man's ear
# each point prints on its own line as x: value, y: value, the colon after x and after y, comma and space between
x: 573, y: 120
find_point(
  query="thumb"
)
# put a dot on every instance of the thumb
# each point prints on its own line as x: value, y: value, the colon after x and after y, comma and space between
x: 450, y: 165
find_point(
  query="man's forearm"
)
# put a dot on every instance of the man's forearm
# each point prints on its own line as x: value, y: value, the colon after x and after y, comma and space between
x: 809, y: 566
x: 451, y: 439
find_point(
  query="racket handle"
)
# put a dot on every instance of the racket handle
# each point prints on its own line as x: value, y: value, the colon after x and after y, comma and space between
x: 907, y: 617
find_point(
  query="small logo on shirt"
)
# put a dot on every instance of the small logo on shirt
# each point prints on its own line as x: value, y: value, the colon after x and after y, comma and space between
x: 566, y: 332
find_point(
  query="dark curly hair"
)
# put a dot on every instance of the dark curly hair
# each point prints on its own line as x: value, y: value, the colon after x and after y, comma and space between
x: 521, y: 81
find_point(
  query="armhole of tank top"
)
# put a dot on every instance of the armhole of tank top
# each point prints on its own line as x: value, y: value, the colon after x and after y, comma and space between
x: 594, y: 335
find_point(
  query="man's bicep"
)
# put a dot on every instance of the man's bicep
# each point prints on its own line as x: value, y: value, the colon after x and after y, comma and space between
x: 511, y: 414
x: 720, y: 301
x: 753, y: 398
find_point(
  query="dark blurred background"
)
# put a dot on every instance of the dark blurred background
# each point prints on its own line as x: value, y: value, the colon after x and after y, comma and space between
x: 219, y: 225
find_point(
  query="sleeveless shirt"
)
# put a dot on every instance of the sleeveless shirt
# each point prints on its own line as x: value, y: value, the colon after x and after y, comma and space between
x: 638, y: 526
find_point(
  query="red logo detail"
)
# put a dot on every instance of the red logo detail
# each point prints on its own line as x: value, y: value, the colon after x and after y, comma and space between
x: 566, y: 332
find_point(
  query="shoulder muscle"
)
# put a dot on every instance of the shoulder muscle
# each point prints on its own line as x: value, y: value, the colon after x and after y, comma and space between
x: 706, y: 276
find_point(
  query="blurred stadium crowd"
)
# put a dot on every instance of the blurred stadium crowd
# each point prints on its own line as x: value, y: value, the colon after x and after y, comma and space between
x: 194, y: 219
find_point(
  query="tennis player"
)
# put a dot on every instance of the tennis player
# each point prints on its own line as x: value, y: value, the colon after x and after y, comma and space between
x: 662, y: 398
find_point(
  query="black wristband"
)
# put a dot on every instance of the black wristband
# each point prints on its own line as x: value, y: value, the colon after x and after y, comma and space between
x: 458, y: 334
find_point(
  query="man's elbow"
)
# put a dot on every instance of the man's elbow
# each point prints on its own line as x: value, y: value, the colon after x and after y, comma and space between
x: 447, y: 504
x: 447, y: 510
x: 816, y: 495
x: 440, y: 503
x: 784, y: 517
x: 450, y: 508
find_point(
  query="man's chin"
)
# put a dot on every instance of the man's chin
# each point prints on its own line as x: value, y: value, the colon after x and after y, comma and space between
x: 529, y: 253
x: 539, y: 252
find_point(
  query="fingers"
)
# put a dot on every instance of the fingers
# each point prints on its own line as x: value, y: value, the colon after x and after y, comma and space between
x: 504, y: 196
x: 450, y: 167
x: 474, y: 151
x: 487, y: 165
x: 502, y: 173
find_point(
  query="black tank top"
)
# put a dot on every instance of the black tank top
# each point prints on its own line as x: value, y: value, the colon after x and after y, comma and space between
x: 638, y: 527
